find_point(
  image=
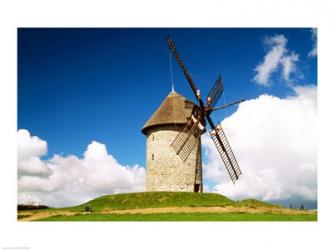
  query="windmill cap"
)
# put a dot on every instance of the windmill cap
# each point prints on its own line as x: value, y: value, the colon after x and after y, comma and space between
x: 175, y: 109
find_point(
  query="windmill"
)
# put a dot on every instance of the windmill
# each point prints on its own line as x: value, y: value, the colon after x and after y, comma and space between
x: 187, y: 139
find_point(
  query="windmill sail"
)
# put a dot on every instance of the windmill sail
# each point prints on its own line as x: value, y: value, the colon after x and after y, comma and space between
x: 216, y: 92
x: 225, y: 151
x: 183, y: 67
x: 186, y: 140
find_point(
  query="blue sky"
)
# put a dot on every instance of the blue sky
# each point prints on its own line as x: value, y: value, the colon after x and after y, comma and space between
x: 80, y: 85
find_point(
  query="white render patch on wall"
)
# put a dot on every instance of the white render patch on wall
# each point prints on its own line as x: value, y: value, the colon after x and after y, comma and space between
x: 166, y: 171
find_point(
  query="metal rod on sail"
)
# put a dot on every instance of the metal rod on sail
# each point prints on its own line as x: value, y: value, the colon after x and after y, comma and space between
x: 228, y: 105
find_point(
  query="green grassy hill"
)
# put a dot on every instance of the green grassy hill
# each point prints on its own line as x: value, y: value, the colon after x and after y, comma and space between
x: 169, y: 206
x: 252, y: 203
x: 155, y: 200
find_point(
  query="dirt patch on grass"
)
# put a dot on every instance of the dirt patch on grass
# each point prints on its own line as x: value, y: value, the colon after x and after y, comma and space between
x: 40, y: 215
x: 226, y: 209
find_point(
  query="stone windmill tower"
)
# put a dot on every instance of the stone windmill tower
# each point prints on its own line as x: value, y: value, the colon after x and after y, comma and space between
x: 165, y: 171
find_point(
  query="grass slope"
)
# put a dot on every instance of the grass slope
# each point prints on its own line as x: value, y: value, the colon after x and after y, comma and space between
x: 155, y: 200
x: 252, y: 203
x: 120, y: 207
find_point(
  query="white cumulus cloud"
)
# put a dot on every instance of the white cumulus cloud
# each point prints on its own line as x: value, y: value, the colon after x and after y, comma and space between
x: 63, y: 181
x: 30, y: 149
x: 277, y: 56
x: 275, y: 142
x: 29, y: 146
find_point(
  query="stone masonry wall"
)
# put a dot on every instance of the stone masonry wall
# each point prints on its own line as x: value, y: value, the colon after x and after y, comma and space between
x: 165, y: 170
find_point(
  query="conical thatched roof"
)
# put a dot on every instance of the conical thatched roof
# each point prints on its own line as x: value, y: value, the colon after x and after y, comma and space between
x: 175, y: 109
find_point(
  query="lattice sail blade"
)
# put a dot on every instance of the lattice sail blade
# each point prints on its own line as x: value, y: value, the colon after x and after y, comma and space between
x: 216, y: 92
x: 226, y: 153
x: 187, y: 139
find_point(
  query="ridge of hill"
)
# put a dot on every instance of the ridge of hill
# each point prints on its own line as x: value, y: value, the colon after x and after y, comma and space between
x: 164, y: 199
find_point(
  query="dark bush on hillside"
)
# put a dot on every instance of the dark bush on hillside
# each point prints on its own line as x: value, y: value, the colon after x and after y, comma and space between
x: 87, y: 209
x: 21, y: 207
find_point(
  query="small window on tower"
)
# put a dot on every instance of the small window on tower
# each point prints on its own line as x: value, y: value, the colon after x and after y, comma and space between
x: 152, y: 156
x: 153, y: 138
